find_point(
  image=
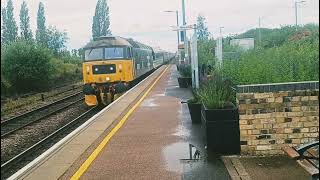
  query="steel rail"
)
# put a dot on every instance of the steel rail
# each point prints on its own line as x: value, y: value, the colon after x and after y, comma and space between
x: 28, y: 152
x: 4, y: 122
x: 11, y: 131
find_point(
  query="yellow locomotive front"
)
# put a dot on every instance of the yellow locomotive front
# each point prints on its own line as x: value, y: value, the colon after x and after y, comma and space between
x: 107, y: 70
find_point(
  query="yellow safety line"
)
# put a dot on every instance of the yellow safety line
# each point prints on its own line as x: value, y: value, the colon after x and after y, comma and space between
x: 96, y: 152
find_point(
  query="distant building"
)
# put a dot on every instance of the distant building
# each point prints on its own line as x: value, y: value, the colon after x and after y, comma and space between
x: 245, y: 43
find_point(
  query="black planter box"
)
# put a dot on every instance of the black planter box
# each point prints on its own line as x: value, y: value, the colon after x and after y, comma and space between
x: 221, y: 130
x: 184, y: 82
x: 195, y: 112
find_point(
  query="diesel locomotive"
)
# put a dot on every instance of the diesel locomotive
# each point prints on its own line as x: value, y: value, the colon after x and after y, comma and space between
x: 111, y: 65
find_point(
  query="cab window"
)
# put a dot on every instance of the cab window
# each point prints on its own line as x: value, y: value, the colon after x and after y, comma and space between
x: 117, y: 53
x: 93, y: 54
x: 114, y: 53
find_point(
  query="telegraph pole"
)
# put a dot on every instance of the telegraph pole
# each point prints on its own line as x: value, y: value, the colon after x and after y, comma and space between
x: 260, y: 31
x: 296, y: 12
x: 220, y: 56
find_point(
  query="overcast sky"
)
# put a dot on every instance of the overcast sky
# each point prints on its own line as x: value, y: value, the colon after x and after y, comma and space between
x: 145, y: 21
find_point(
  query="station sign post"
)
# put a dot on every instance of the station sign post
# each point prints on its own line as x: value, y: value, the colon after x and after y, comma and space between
x: 194, y: 54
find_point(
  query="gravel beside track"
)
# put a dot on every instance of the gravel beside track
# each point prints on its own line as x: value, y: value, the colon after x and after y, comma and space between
x: 23, y: 158
x: 29, y: 135
x: 35, y: 102
x: 10, y: 125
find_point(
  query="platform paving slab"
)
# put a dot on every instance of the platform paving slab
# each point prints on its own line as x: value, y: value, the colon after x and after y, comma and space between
x: 264, y: 168
x: 273, y: 167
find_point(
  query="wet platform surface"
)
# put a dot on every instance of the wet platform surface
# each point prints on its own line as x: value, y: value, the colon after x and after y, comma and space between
x: 155, y: 141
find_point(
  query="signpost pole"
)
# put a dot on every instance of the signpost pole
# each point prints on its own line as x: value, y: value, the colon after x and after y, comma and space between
x: 194, y: 53
x: 194, y: 60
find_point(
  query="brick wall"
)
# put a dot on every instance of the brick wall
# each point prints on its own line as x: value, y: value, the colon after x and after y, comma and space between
x: 273, y: 115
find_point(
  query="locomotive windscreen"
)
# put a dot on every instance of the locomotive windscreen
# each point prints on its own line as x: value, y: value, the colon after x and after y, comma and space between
x: 107, y: 53
x: 116, y: 53
x: 93, y: 54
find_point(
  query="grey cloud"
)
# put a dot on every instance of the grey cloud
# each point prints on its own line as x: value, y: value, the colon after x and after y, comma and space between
x: 145, y: 20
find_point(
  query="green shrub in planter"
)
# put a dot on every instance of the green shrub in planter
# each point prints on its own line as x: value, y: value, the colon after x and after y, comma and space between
x: 194, y: 106
x: 217, y: 93
x: 185, y: 70
x: 219, y: 116
x: 185, y: 76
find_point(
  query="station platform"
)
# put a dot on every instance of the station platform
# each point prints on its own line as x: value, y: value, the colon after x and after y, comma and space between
x: 145, y: 134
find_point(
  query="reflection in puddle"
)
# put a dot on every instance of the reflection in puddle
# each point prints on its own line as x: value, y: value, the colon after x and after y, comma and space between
x: 177, y: 152
x: 182, y: 132
x: 160, y: 94
x: 149, y: 103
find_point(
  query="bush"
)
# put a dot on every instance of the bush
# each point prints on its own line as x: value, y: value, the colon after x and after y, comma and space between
x: 195, y: 99
x: 64, y: 72
x: 185, y: 70
x: 217, y: 93
x: 294, y: 61
x: 26, y: 65
x: 205, y: 52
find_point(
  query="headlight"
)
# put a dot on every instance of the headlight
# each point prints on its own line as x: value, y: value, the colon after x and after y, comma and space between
x: 107, y: 78
x: 120, y: 66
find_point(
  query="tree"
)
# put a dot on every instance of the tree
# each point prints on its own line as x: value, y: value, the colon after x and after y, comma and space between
x: 26, y: 65
x: 205, y: 52
x: 41, y: 27
x: 202, y: 29
x: 9, y: 27
x: 26, y: 32
x: 4, y: 32
x: 80, y: 52
x: 74, y: 52
x: 101, y: 22
x: 56, y: 40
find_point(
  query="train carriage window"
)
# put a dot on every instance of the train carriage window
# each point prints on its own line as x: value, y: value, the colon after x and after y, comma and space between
x: 93, y: 54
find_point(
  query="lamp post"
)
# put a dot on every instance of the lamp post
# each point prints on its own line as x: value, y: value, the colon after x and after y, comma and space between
x: 177, y: 14
x: 296, y: 11
x: 185, y: 40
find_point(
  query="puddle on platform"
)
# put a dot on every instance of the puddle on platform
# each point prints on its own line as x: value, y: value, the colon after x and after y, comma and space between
x: 181, y: 131
x: 149, y: 103
x: 175, y: 154
x: 172, y: 83
x: 162, y: 94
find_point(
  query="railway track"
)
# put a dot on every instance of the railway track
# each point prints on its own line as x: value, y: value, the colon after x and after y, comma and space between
x: 43, y: 96
x: 34, y: 151
x: 11, y: 125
